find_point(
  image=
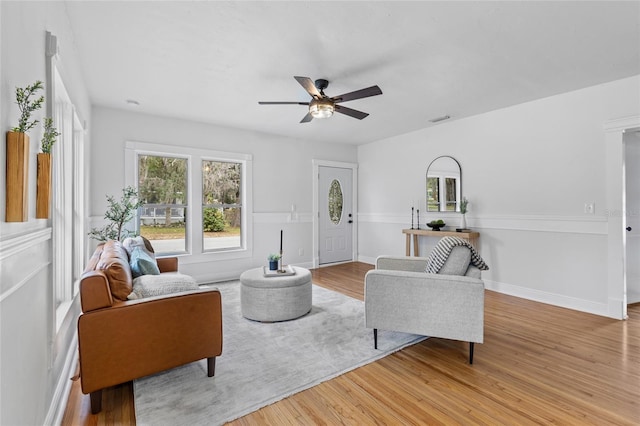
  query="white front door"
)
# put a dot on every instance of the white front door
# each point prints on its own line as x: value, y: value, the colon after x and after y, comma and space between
x: 632, y: 215
x: 335, y: 230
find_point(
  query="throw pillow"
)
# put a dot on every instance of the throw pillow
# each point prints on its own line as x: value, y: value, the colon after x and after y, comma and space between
x: 130, y: 243
x: 158, y: 285
x: 142, y: 264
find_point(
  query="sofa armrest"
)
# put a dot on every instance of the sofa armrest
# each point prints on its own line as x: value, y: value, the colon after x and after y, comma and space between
x: 95, y: 292
x: 167, y: 264
x: 402, y: 263
x: 447, y: 306
x: 136, y: 338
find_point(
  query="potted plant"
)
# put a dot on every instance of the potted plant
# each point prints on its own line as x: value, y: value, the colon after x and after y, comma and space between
x: 17, y: 142
x: 118, y: 214
x: 43, y: 187
x: 273, y: 261
x: 463, y: 209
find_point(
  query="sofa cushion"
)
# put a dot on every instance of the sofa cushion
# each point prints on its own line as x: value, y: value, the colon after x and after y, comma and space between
x: 114, y: 262
x: 142, y: 263
x: 158, y: 285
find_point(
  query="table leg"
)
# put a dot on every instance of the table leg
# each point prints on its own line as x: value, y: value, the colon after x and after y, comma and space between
x: 416, y: 247
x: 408, y: 245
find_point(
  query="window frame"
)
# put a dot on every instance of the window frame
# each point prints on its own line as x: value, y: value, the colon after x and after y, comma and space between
x: 194, y: 237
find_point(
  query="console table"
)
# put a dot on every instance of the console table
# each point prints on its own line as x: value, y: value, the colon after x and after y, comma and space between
x: 470, y: 236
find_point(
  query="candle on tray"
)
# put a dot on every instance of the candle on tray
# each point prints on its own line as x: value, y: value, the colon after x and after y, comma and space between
x: 281, y: 241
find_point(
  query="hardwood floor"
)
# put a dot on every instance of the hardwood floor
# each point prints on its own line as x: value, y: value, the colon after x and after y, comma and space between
x: 539, y: 364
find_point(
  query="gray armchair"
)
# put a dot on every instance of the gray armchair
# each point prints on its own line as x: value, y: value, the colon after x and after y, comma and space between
x: 401, y: 296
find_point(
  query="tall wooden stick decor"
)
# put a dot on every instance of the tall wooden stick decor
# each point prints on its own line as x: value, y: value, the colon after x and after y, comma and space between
x: 17, y: 196
x: 43, y: 187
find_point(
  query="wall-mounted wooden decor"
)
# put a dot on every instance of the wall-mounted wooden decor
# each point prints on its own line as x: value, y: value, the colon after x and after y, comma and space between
x: 43, y: 187
x: 17, y: 195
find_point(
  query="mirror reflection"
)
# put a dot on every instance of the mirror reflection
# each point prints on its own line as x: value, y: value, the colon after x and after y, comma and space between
x: 444, y: 185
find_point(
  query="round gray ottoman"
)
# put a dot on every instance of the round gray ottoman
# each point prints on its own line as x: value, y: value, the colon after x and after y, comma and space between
x: 271, y: 299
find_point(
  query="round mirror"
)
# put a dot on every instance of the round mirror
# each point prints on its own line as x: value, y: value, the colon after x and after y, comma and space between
x: 444, y: 185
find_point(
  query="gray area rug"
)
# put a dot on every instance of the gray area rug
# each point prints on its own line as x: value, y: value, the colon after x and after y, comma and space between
x: 262, y: 363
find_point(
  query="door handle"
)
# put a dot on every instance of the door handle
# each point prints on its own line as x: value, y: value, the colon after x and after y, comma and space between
x: 629, y: 228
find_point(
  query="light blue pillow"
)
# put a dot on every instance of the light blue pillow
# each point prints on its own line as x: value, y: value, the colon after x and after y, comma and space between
x: 142, y: 264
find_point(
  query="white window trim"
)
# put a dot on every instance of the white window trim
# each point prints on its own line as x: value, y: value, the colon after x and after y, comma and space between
x: 194, y: 240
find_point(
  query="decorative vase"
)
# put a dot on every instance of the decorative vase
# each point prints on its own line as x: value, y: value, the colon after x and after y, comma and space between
x: 463, y: 221
x: 17, y: 195
x: 43, y: 187
x: 273, y: 265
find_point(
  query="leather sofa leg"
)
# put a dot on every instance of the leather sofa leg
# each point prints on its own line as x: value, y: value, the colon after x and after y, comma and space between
x: 211, y: 366
x: 470, y: 352
x: 375, y: 338
x: 96, y: 401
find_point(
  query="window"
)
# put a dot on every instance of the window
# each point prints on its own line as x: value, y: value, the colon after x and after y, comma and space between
x: 221, y: 205
x: 196, y: 201
x: 162, y: 187
x: 68, y: 207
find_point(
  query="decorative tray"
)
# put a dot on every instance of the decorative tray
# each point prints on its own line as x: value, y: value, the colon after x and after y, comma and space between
x: 286, y: 270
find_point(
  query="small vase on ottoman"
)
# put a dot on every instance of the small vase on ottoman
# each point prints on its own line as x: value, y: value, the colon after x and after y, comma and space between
x: 273, y: 261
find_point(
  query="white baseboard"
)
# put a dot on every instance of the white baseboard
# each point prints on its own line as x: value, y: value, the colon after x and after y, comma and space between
x: 367, y: 259
x: 549, y: 298
x: 63, y: 387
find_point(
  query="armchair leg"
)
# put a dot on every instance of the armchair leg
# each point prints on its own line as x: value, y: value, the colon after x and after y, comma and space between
x: 96, y: 401
x: 470, y: 352
x: 211, y: 366
x: 375, y: 338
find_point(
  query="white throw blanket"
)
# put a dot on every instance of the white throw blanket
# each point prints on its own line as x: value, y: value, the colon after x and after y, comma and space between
x: 442, y: 250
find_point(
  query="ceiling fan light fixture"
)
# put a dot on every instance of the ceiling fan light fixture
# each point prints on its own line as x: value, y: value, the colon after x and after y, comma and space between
x: 321, y: 108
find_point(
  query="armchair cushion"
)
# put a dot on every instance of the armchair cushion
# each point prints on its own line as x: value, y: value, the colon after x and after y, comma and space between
x: 457, y: 263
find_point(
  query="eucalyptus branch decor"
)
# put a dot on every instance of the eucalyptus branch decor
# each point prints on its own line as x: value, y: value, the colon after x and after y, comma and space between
x: 463, y: 209
x: 27, y: 106
x: 49, y: 137
x: 463, y: 205
x: 118, y: 214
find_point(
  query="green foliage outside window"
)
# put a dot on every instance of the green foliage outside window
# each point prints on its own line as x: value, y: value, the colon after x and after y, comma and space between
x: 213, y: 220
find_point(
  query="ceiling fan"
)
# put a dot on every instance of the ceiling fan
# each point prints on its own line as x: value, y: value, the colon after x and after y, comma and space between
x: 322, y: 106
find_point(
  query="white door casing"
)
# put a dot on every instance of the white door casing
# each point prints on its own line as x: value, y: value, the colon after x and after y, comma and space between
x: 632, y: 215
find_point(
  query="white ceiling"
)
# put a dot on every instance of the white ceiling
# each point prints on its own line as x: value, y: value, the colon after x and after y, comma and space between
x: 212, y: 61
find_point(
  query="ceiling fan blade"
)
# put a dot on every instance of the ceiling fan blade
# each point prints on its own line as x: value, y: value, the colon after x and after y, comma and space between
x: 358, y: 94
x: 307, y: 118
x: 351, y: 112
x: 309, y: 86
x: 282, y: 103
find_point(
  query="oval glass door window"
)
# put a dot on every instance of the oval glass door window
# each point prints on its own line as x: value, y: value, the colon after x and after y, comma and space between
x: 335, y: 202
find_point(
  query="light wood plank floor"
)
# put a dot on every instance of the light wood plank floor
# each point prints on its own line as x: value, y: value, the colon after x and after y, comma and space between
x: 539, y: 364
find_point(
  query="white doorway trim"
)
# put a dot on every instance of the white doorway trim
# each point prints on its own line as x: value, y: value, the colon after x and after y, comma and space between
x: 614, y: 147
x: 316, y: 214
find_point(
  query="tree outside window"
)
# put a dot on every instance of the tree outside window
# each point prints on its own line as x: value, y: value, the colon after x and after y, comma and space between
x: 162, y: 186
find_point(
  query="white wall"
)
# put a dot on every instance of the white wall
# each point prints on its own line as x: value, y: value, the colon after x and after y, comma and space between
x: 34, y: 359
x: 282, y: 177
x: 527, y: 171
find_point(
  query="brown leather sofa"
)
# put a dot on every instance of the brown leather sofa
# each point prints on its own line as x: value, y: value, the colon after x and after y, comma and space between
x: 120, y: 340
